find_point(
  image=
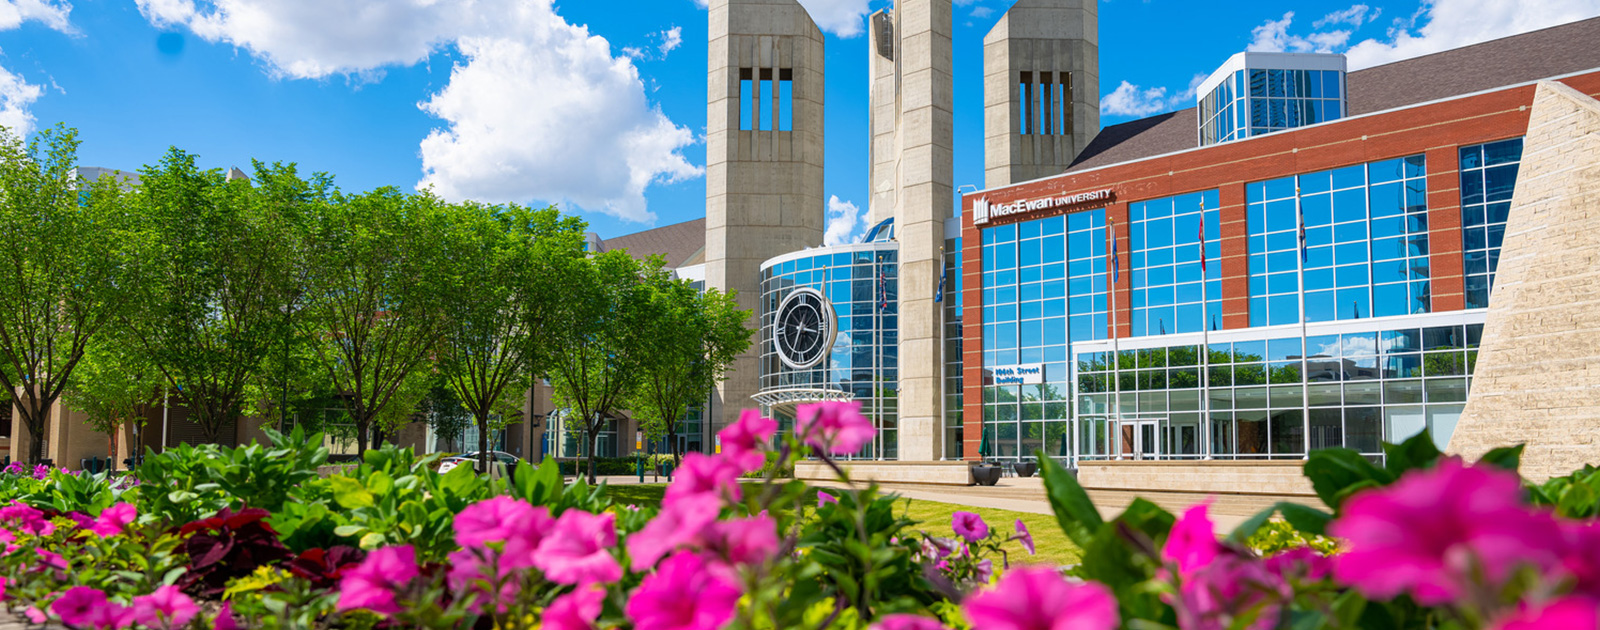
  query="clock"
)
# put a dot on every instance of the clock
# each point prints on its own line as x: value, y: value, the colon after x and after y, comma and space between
x: 804, y: 328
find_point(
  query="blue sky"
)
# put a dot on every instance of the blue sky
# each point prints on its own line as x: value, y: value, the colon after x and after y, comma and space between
x: 597, y: 106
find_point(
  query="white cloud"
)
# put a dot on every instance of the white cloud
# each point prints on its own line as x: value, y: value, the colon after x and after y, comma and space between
x: 844, y: 221
x: 1356, y: 15
x: 1273, y: 36
x: 981, y: 12
x: 845, y: 18
x: 16, y: 95
x: 671, y: 39
x: 1133, y: 100
x: 537, y: 110
x: 53, y: 13
x: 1447, y: 24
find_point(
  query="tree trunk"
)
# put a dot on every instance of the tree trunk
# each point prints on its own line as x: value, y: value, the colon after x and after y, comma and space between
x: 483, y: 441
x: 593, y: 435
x: 361, y: 439
x: 37, y: 421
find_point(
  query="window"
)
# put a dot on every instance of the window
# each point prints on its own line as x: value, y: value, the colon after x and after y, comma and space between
x: 1175, y: 289
x: 1488, y: 177
x: 1044, y: 103
x: 766, y: 99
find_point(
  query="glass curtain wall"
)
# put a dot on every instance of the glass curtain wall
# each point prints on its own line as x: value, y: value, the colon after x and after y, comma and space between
x: 1172, y: 293
x: 1044, y: 287
x: 1488, y: 176
x: 953, y: 386
x: 862, y: 287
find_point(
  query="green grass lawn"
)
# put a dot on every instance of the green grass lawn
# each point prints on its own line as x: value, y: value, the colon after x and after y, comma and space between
x: 934, y: 518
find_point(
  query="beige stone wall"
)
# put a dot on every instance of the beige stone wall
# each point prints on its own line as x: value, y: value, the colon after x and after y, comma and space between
x: 763, y: 188
x: 1039, y: 36
x: 1538, y: 372
x: 937, y: 473
x: 1281, y: 479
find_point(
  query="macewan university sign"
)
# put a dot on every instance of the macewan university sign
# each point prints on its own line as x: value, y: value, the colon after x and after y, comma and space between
x: 983, y: 211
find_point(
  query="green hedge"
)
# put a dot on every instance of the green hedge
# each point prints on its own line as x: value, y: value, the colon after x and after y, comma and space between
x: 603, y: 466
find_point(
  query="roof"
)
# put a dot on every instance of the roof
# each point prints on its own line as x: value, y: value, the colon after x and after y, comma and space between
x: 677, y: 243
x: 1531, y: 56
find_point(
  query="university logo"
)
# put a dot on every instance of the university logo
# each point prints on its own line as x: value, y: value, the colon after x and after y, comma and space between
x: 980, y: 211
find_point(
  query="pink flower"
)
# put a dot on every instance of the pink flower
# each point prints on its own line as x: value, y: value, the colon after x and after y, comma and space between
x: 679, y: 523
x: 166, y: 608
x: 683, y: 594
x: 1301, y: 564
x: 1192, y: 543
x: 1215, y: 596
x: 41, y: 471
x: 1431, y: 531
x: 28, y: 519
x: 372, y: 585
x: 50, y: 560
x: 9, y: 539
x: 520, y: 528
x: 114, y: 520
x: 744, y: 541
x: 1038, y: 598
x: 1025, y: 537
x: 705, y: 474
x: 574, y: 611
x: 1568, y: 612
x: 1582, y: 558
x: 89, y: 607
x: 983, y: 571
x: 472, y: 571
x: 907, y: 622
x: 834, y: 427
x: 35, y: 615
x: 2, y: 589
x: 578, y: 549
x: 824, y: 497
x: 743, y: 440
x: 224, y: 619
x: 969, y: 526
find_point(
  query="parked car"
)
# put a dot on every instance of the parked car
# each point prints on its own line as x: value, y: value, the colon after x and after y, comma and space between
x: 503, y: 457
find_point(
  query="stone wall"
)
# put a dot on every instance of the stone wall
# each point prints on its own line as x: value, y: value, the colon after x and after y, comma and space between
x: 1538, y: 373
x: 936, y: 473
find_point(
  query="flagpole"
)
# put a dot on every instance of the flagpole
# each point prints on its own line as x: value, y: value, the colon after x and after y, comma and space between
x: 1305, y: 402
x: 1205, y: 340
x: 1116, y: 352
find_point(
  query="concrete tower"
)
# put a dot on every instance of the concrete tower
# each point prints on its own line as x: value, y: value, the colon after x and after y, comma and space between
x: 911, y: 180
x: 763, y: 158
x: 1041, y: 89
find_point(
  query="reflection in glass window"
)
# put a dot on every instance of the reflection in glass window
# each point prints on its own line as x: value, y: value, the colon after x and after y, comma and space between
x: 1173, y: 292
x: 1488, y: 175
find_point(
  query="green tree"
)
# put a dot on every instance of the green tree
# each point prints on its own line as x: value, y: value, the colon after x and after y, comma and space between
x: 114, y: 387
x: 689, y: 339
x: 370, y: 308
x: 595, y: 367
x: 64, y: 273
x: 446, y: 416
x: 507, y: 272
x: 220, y: 278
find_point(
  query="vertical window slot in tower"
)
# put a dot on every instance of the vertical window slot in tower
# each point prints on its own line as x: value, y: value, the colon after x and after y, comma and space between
x: 1047, y: 98
x: 786, y: 99
x: 1026, y: 102
x: 746, y: 98
x: 766, y: 112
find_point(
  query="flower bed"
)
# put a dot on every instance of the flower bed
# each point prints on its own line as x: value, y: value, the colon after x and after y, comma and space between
x: 254, y: 537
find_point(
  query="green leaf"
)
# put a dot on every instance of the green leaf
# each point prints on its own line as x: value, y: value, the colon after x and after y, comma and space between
x: 349, y: 493
x: 372, y: 540
x: 1251, y: 525
x: 1505, y: 457
x: 1308, y: 520
x: 1416, y: 452
x: 1333, y: 470
x: 1577, y: 502
x: 1078, y: 516
x: 346, y: 531
x: 379, y: 482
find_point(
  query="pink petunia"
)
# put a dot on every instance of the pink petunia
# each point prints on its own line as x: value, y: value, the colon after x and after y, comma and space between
x: 834, y: 427
x: 578, y: 549
x: 114, y: 520
x: 515, y: 525
x: 1192, y: 543
x: 372, y: 585
x: 1219, y: 594
x: 1025, y: 537
x: 1568, y: 613
x: 683, y: 594
x: 89, y: 607
x: 969, y: 526
x: 744, y: 541
x: 224, y: 619
x: 1433, y: 530
x: 51, y: 560
x: 679, y: 523
x: 574, y: 611
x: 167, y: 607
x: 743, y: 441
x: 1038, y: 598
x: 703, y: 474
x: 472, y: 571
x: 824, y: 497
x: 907, y: 622
x: 27, y: 519
x: 1581, y: 561
x: 1301, y: 564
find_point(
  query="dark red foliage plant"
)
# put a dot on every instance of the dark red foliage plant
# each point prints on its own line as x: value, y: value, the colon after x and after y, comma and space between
x: 324, y: 567
x: 227, y: 546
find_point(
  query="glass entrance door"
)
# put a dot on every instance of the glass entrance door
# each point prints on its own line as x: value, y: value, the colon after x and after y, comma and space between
x: 1136, y: 439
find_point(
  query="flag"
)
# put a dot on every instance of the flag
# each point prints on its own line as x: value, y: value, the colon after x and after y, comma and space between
x: 938, y: 293
x: 883, y: 291
x: 1302, y: 212
x: 1202, y: 240
x: 1116, y: 262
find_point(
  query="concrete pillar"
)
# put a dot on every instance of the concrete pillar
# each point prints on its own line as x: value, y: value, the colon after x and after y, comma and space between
x: 1535, y: 381
x: 1038, y: 48
x: 763, y: 186
x: 924, y: 200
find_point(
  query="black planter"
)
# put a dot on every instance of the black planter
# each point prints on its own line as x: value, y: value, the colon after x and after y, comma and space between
x: 986, y: 474
x: 1025, y: 469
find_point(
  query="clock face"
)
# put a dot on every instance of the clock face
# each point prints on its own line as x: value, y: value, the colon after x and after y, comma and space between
x: 804, y: 328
